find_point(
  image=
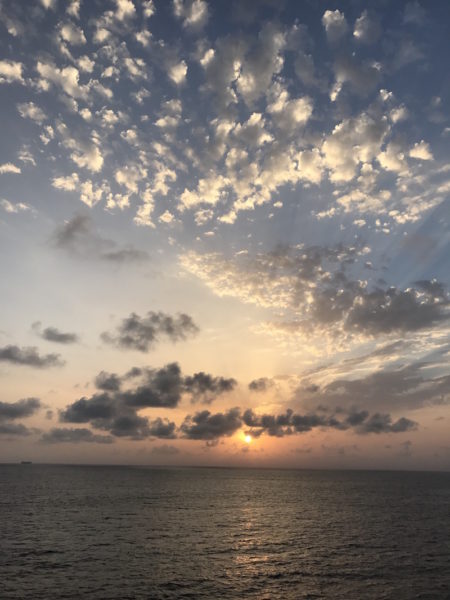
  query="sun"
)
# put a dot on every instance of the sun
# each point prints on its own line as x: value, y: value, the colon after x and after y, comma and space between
x: 247, y: 439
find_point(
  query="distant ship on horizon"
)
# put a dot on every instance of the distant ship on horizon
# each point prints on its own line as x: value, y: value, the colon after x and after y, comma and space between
x: 26, y: 462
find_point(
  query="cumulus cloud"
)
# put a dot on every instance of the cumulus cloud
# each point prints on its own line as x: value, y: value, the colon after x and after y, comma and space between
x: 335, y: 24
x: 29, y: 110
x: 29, y: 356
x: 9, y: 168
x: 53, y: 334
x: 20, y: 409
x: 367, y: 28
x: 10, y: 71
x: 116, y: 410
x: 312, y: 285
x: 193, y: 13
x: 141, y: 333
x: 206, y: 426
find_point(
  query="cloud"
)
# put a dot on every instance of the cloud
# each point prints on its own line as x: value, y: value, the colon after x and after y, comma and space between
x: 260, y: 385
x: 10, y: 71
x: 178, y: 72
x: 205, y: 388
x: 29, y: 110
x: 291, y: 423
x: 10, y: 411
x: 421, y: 151
x: 165, y: 450
x: 59, y: 435
x: 206, y: 426
x: 53, y: 334
x: 19, y: 409
x: 367, y: 28
x: 335, y: 24
x: 141, y: 333
x: 9, y: 168
x: 11, y: 208
x: 116, y: 410
x: 109, y: 382
x: 78, y: 237
x: 193, y: 13
x: 14, y: 429
x: 29, y: 356
x: 311, y: 290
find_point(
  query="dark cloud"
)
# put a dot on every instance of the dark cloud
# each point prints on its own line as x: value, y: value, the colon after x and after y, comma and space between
x: 116, y: 410
x: 79, y: 237
x: 314, y: 289
x: 29, y: 356
x: 52, y: 334
x: 407, y: 387
x: 20, y: 409
x: 379, y: 423
x: 59, y: 435
x: 291, y: 423
x: 161, y: 388
x: 206, y: 426
x: 141, y: 333
x: 165, y: 450
x: 205, y: 388
x: 99, y: 406
x: 260, y: 385
x: 109, y: 382
x: 14, y: 429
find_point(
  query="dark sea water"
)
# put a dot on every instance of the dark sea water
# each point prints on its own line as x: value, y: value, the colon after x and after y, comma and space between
x: 124, y: 532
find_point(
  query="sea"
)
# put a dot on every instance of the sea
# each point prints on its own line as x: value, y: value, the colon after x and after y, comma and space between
x: 168, y: 533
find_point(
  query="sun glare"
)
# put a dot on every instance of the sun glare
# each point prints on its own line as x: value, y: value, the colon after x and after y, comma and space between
x: 248, y: 439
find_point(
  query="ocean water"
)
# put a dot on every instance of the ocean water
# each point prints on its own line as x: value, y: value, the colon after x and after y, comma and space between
x: 147, y: 533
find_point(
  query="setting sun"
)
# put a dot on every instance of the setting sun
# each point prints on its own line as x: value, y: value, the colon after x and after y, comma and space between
x: 248, y: 439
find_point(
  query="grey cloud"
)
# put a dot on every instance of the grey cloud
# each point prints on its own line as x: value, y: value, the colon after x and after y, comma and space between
x: 407, y: 387
x: 14, y: 429
x: 19, y: 409
x: 141, y: 333
x: 165, y: 450
x: 99, y: 406
x: 109, y: 382
x: 382, y: 423
x: 367, y: 28
x: 59, y: 435
x: 53, y: 334
x: 79, y: 237
x: 314, y: 290
x: 205, y: 388
x: 29, y: 356
x: 116, y: 410
x: 206, y: 426
x: 260, y: 385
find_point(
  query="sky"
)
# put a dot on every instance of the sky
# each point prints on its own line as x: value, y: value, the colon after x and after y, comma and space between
x: 224, y: 233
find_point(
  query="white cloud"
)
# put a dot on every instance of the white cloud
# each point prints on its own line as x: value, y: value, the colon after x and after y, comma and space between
x: 72, y: 34
x: 367, y: 28
x: 194, y: 13
x: 167, y: 217
x: 74, y: 8
x: 14, y: 208
x: 9, y: 168
x: 352, y: 142
x: 10, y: 71
x: 68, y: 183
x: 49, y: 4
x: 209, y: 191
x: 86, y: 64
x: 178, y: 72
x: 29, y: 110
x: 148, y: 8
x: 335, y: 24
x: 125, y: 9
x: 129, y: 177
x: 421, y: 151
x: 66, y: 78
